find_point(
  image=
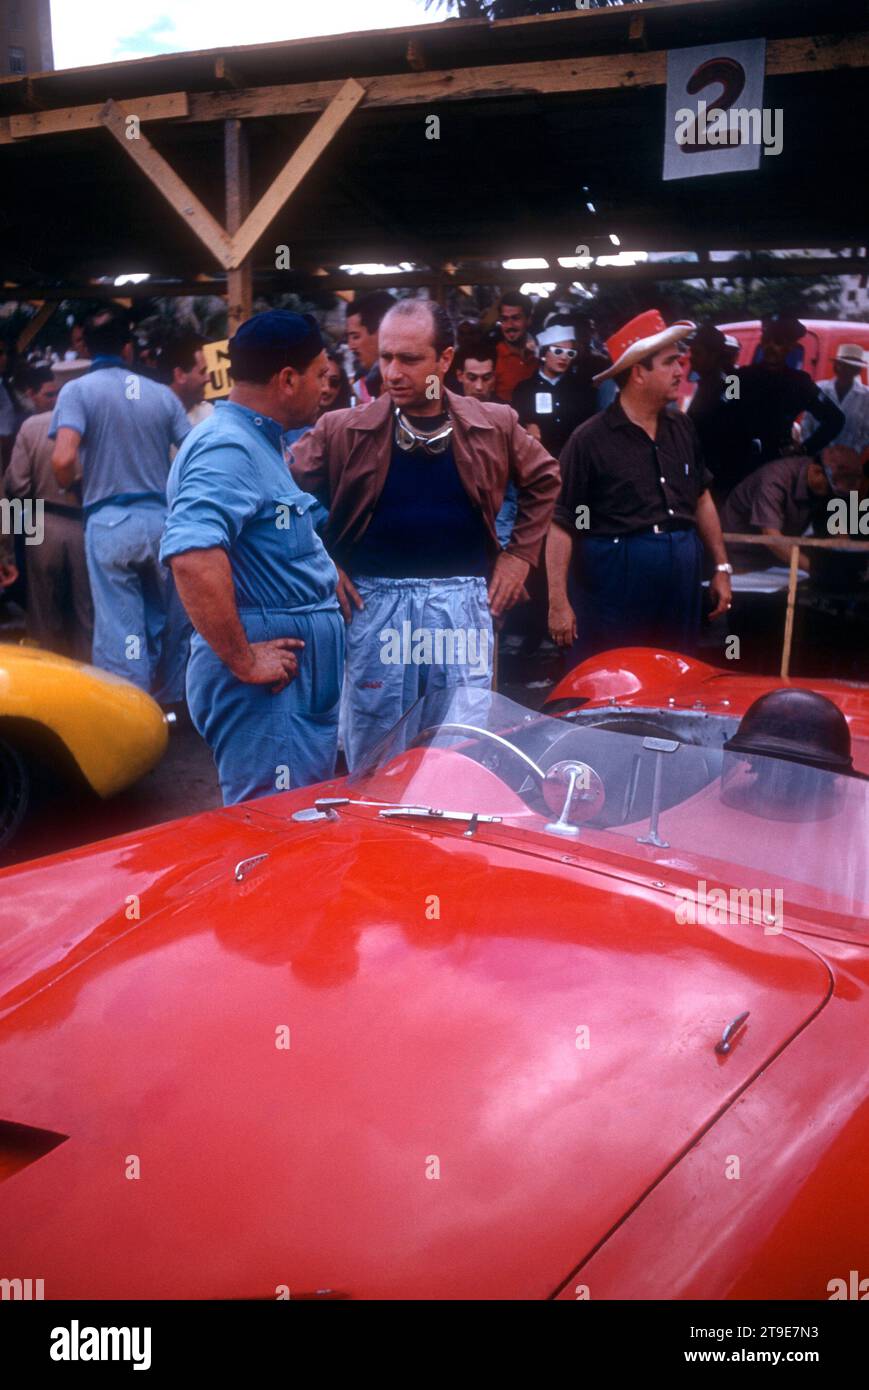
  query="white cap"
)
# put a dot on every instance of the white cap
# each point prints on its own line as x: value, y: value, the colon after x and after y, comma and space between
x: 558, y: 333
x: 70, y: 368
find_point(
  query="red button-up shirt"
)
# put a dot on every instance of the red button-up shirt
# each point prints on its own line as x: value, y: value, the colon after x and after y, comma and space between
x: 512, y: 365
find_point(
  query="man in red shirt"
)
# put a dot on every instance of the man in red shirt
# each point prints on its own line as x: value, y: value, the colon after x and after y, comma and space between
x: 515, y: 356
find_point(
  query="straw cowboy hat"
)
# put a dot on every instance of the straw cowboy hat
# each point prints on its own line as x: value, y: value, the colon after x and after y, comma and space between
x: 645, y: 334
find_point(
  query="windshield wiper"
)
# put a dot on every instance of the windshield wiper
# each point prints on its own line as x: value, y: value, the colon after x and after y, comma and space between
x: 398, y: 811
x: 473, y: 818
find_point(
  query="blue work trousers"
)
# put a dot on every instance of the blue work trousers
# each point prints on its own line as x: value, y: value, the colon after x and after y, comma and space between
x: 141, y: 630
x: 264, y: 743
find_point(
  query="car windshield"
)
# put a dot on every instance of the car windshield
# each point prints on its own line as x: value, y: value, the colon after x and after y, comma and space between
x: 752, y: 822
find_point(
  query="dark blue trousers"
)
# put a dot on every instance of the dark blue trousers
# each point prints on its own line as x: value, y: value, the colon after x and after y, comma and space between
x: 642, y: 590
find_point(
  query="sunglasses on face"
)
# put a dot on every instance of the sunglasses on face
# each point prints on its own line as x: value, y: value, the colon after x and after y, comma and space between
x: 569, y: 353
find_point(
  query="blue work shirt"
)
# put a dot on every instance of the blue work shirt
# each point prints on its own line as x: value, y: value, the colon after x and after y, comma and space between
x: 127, y: 424
x: 230, y: 487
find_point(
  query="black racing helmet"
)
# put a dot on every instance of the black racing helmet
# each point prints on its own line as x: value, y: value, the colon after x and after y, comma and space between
x: 799, y: 726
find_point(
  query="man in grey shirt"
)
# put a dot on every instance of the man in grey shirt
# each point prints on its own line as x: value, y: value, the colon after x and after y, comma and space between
x: 781, y: 499
x: 116, y: 428
x: 59, y: 609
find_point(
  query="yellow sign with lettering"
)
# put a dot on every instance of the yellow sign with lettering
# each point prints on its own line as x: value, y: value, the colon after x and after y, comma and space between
x: 217, y: 361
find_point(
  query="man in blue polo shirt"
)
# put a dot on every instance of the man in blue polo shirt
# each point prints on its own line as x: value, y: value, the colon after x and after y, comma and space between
x: 116, y: 428
x: 267, y: 656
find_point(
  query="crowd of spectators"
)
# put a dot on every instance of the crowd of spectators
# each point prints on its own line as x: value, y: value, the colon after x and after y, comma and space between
x: 662, y: 444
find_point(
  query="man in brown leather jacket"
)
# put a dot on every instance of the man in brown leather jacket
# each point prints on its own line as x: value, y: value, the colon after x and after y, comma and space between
x: 412, y: 484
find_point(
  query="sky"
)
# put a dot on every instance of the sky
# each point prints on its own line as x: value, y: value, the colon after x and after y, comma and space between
x: 106, y: 31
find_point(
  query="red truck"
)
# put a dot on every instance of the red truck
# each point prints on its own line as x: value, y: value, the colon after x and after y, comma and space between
x: 822, y: 341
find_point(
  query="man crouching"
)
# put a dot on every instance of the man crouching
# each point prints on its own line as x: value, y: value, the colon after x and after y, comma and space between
x: 413, y: 483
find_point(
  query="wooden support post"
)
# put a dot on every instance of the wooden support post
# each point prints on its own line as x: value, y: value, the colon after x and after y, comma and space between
x: 239, y: 281
x: 164, y: 178
x: 297, y: 166
x: 789, y: 616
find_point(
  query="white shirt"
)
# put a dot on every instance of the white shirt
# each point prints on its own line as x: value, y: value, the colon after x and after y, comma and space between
x: 855, y: 407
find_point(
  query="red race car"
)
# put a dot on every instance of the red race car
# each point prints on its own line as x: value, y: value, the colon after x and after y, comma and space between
x: 561, y: 1004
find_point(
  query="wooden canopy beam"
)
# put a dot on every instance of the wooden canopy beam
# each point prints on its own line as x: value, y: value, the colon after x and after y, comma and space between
x: 464, y: 274
x: 603, y: 72
x: 170, y: 106
x: 342, y: 105
x: 164, y: 178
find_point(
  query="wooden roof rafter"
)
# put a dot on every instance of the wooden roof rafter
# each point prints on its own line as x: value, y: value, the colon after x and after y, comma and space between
x: 588, y: 67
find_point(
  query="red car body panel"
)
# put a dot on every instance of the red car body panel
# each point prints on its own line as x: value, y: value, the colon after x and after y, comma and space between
x: 143, y: 988
x: 635, y: 677
x: 794, y: 1214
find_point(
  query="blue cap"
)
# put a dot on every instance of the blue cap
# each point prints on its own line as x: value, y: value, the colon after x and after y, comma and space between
x: 274, y: 339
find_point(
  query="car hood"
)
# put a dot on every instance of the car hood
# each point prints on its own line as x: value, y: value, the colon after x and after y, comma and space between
x: 384, y: 1061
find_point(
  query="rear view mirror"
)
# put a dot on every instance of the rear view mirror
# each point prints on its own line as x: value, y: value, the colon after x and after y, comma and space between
x: 574, y: 792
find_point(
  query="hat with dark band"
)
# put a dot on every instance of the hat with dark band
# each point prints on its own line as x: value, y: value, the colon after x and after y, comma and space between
x: 644, y: 335
x: 851, y: 354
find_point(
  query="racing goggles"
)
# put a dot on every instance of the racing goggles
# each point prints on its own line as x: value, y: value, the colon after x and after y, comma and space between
x: 407, y: 438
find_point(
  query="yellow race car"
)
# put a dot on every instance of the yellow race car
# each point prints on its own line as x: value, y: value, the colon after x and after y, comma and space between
x: 73, y: 722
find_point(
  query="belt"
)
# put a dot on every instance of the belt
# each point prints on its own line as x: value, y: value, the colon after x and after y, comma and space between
x: 329, y: 604
x: 663, y: 528
x: 123, y: 499
x: 59, y: 509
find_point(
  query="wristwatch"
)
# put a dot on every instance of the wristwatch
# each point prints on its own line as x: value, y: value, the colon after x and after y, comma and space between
x: 725, y: 568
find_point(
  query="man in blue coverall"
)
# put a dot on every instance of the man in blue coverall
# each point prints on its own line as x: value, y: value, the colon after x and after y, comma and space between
x: 267, y: 656
x: 114, y: 428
